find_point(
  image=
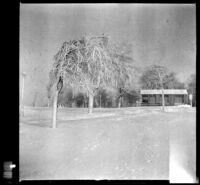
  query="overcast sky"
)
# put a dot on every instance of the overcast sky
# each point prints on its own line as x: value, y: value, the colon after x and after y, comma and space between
x: 160, y: 34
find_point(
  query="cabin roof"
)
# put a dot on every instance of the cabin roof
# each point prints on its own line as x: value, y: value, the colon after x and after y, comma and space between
x: 166, y: 91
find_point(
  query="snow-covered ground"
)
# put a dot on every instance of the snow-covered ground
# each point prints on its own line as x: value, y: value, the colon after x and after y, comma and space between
x: 126, y: 143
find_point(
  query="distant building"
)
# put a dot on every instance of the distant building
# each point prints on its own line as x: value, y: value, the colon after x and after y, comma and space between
x: 172, y: 96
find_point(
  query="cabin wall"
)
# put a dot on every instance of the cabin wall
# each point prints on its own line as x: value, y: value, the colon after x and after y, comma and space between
x: 169, y: 99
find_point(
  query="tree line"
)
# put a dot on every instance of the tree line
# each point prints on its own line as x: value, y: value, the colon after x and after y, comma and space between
x: 95, y: 71
x: 106, y: 98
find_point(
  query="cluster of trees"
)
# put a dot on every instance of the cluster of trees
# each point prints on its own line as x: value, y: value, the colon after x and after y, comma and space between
x: 106, y: 98
x: 95, y: 71
x: 159, y: 77
x: 102, y: 98
x: 88, y: 65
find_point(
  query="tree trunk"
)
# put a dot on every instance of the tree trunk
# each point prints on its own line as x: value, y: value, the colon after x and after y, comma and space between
x: 34, y: 99
x: 96, y: 103
x: 73, y: 99
x: 100, y: 101
x: 119, y: 102
x: 163, y: 100
x: 91, y: 99
x: 73, y: 103
x: 84, y: 101
x: 55, y: 108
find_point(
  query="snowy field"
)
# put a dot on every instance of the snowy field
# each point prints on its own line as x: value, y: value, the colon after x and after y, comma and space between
x: 127, y: 143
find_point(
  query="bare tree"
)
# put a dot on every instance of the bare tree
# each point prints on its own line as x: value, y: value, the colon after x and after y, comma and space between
x: 125, y: 71
x: 155, y: 77
x: 87, y: 63
x: 171, y: 82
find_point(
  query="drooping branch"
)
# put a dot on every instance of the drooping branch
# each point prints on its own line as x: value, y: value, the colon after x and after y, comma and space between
x: 93, y: 62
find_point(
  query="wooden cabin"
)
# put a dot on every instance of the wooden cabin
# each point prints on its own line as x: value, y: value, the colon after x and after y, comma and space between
x: 172, y: 96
